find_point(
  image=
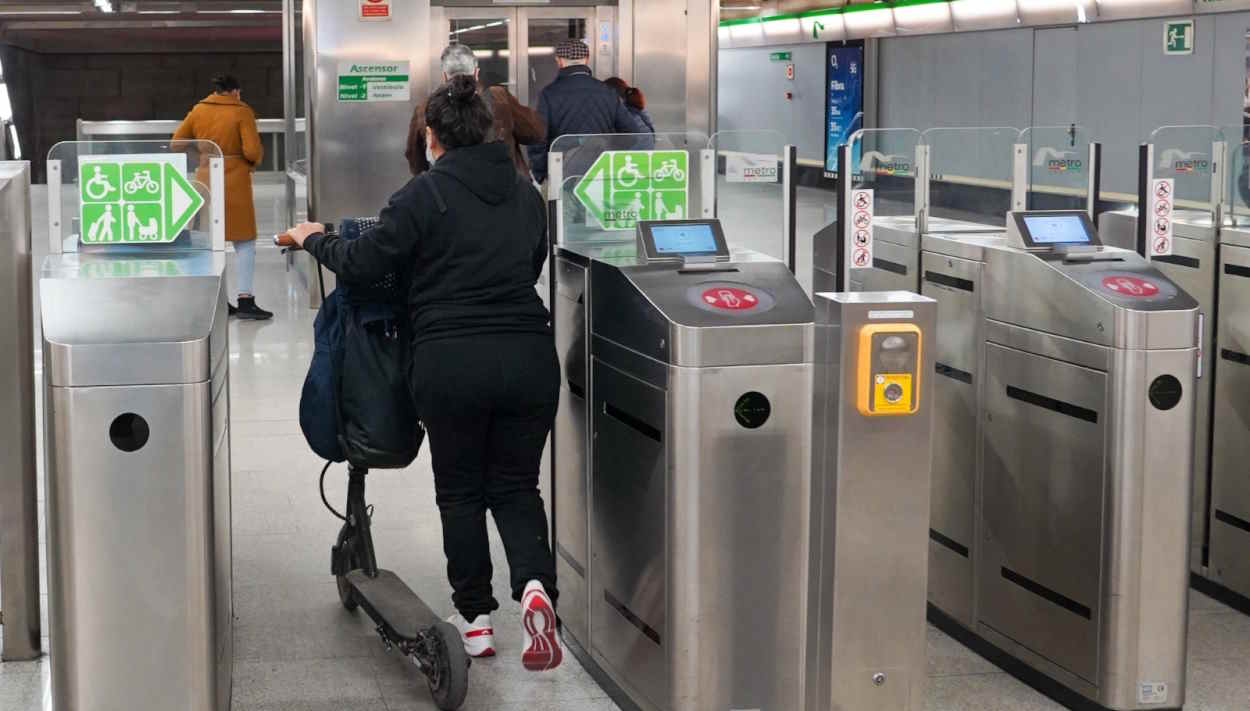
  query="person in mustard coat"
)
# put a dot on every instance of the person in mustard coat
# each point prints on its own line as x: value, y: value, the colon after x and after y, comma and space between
x: 224, y: 119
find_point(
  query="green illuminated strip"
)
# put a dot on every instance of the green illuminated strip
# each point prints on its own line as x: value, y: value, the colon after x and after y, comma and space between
x: 828, y: 12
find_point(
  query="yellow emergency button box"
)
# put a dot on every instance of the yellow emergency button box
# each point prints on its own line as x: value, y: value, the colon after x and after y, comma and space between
x: 888, y: 369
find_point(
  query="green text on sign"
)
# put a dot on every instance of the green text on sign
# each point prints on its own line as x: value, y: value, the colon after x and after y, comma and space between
x: 1178, y: 37
x: 623, y: 187
x: 134, y: 200
x: 374, y: 81
x: 779, y: 56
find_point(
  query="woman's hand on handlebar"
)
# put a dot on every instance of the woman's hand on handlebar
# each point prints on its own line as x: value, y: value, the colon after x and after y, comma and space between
x: 296, y: 235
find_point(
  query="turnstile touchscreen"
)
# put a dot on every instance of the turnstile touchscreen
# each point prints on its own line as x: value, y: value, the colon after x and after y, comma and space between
x: 1048, y: 229
x: 682, y: 239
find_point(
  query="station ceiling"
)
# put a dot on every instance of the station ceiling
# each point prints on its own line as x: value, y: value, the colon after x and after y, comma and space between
x: 58, y: 26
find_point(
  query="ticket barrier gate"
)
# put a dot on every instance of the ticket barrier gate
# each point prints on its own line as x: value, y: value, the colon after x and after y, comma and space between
x: 684, y: 486
x: 1229, y: 551
x: 1083, y: 368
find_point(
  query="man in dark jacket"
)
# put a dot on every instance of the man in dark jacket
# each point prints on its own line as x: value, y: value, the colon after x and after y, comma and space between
x: 577, y: 103
x: 515, y: 124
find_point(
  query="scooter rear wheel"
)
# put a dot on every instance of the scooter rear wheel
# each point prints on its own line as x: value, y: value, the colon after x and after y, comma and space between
x: 449, y: 678
x: 347, y: 594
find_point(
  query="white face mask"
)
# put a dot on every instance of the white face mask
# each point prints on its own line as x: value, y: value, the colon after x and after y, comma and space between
x: 429, y: 155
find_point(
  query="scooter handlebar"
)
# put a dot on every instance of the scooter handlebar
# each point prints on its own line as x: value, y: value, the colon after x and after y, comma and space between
x: 285, y: 240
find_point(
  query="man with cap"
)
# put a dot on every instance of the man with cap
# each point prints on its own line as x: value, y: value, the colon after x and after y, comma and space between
x: 577, y: 103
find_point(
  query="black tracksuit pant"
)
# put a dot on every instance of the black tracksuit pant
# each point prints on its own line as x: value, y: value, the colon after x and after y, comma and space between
x: 488, y: 403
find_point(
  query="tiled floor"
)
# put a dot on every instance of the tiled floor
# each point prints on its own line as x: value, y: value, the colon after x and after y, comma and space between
x: 298, y: 650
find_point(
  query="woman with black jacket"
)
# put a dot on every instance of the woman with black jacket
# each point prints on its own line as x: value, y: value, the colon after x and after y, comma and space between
x: 472, y: 233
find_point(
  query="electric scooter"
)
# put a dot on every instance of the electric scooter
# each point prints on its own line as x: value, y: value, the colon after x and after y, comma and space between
x: 404, y: 621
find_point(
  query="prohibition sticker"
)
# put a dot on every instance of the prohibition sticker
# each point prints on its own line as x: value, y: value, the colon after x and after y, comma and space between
x: 1161, y: 206
x: 860, y: 232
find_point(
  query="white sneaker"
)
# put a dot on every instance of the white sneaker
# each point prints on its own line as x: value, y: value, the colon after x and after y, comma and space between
x: 478, y: 635
x: 543, y: 651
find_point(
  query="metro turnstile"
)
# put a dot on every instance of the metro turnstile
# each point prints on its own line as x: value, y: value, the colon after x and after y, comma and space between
x: 136, y: 364
x: 1229, y: 552
x: 1081, y: 367
x: 1193, y: 265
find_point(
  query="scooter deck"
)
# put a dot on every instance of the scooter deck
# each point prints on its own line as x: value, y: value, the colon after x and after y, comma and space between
x: 393, y: 601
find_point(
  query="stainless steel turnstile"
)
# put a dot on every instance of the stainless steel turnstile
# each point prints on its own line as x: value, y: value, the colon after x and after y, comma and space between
x: 1229, y: 553
x: 1082, y: 367
x: 19, y: 527
x: 953, y: 269
x: 138, y: 467
x: 1194, y: 266
x: 700, y: 481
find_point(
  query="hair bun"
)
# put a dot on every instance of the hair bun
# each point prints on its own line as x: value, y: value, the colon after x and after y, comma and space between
x: 462, y: 88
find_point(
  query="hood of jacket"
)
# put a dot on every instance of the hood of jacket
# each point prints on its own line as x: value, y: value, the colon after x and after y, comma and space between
x: 486, y: 170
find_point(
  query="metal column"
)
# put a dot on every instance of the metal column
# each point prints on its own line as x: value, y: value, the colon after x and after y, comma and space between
x: 19, y: 526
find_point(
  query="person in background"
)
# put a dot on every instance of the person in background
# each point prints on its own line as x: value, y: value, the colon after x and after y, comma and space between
x: 577, y: 103
x: 224, y: 119
x: 472, y: 234
x: 515, y: 124
x: 634, y: 100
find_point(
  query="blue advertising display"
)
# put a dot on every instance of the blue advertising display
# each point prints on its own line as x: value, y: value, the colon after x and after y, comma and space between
x: 844, y: 99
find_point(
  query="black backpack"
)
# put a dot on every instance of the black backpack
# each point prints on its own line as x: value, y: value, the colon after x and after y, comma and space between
x: 356, y: 405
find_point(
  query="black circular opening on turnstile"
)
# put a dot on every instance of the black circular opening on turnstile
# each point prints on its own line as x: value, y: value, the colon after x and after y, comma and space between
x: 129, y: 432
x: 752, y: 410
x: 1165, y: 392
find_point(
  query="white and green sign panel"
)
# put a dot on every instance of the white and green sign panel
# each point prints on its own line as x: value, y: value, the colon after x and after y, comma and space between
x: 623, y: 187
x: 135, y: 199
x: 374, y: 81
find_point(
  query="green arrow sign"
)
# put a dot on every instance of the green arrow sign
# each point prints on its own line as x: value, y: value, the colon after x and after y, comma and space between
x: 135, y: 199
x: 623, y: 187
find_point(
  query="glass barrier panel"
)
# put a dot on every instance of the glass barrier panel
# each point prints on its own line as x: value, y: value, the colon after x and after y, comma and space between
x: 1237, y: 179
x: 136, y: 197
x: 1058, y: 167
x: 884, y: 161
x: 750, y: 199
x: 1183, y: 153
x: 970, y: 174
x: 611, y: 181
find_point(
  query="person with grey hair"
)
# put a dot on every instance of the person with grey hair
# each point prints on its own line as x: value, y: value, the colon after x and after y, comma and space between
x: 515, y: 124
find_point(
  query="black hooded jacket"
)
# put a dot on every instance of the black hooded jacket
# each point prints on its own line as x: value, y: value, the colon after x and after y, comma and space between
x: 472, y: 236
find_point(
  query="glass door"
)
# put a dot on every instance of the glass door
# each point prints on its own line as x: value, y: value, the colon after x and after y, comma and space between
x: 490, y: 32
x: 539, y: 31
x: 516, y: 47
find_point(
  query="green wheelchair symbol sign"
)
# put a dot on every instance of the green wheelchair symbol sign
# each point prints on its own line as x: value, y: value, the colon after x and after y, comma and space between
x: 134, y: 200
x: 624, y: 187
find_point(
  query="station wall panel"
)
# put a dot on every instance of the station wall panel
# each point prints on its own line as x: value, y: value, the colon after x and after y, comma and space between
x: 1111, y: 77
x: 752, y: 94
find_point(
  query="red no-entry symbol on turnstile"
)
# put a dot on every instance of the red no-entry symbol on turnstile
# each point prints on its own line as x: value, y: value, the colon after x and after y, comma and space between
x: 862, y: 257
x: 1135, y: 287
x: 730, y: 298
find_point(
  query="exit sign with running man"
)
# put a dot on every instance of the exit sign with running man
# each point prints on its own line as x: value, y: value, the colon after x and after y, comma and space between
x: 1178, y: 37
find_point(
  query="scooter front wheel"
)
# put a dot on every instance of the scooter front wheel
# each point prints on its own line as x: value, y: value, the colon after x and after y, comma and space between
x: 448, y: 675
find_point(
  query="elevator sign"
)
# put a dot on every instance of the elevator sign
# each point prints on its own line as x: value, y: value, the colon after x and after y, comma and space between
x: 623, y: 187
x: 135, y: 199
x: 374, y: 81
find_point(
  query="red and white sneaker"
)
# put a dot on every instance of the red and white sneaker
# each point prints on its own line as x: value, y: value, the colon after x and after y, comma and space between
x: 543, y: 651
x: 478, y: 635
